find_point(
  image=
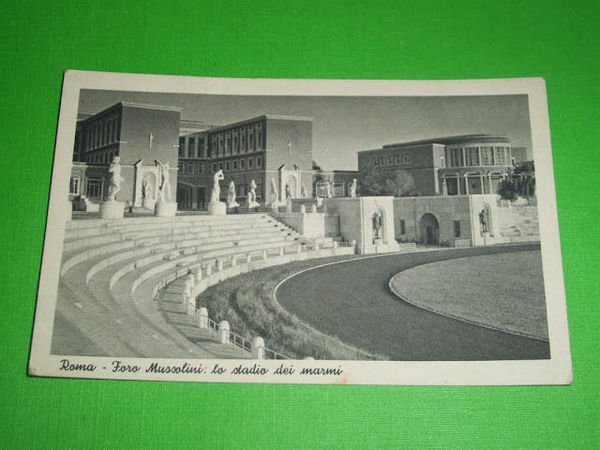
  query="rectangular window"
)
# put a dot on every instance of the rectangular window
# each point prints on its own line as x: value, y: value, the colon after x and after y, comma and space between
x: 74, y: 185
x: 249, y: 163
x: 220, y: 166
x: 487, y: 158
x: 472, y: 155
x: 402, y: 226
x: 406, y: 158
x: 227, y: 166
x: 390, y: 160
x: 259, y: 161
x: 499, y: 156
x: 94, y: 188
x: 242, y: 164
x: 250, y: 140
x: 181, y: 147
x: 191, y: 149
x: 454, y: 157
x: 200, y: 168
x: 200, y: 153
x: 214, y: 167
x: 457, y: 228
x: 259, y: 137
x: 188, y: 168
x: 398, y: 159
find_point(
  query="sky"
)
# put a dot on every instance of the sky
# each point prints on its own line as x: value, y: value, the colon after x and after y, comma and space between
x: 343, y: 126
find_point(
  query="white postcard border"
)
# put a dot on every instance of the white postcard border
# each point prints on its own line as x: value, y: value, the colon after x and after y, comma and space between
x: 556, y: 370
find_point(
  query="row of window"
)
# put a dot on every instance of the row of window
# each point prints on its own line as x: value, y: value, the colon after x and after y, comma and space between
x: 477, y: 156
x: 392, y: 159
x: 102, y: 132
x: 101, y: 158
x: 237, y: 140
x: 238, y: 164
x: 192, y: 147
x: 94, y: 187
x: 191, y: 168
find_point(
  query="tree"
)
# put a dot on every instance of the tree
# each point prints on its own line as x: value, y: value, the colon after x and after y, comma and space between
x: 519, y: 182
x: 507, y: 189
x: 524, y: 177
x: 399, y: 183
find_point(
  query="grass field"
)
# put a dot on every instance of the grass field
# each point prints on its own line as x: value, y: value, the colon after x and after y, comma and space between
x: 504, y: 291
x: 247, y: 302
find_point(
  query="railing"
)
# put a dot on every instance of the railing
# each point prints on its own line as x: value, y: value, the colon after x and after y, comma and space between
x: 272, y: 354
x: 218, y: 264
x: 212, y: 325
x: 240, y: 341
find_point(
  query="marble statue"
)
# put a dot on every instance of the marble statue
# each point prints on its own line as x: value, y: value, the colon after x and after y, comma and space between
x: 274, y: 193
x: 215, y: 195
x: 164, y: 188
x: 377, y: 224
x: 231, y: 203
x: 483, y: 220
x: 115, y: 178
x: 328, y: 187
x: 303, y: 192
x: 252, y: 203
x: 146, y: 189
x: 353, y: 188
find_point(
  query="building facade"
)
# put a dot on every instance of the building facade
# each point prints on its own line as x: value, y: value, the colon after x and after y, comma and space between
x: 139, y: 135
x: 271, y: 150
x: 456, y: 165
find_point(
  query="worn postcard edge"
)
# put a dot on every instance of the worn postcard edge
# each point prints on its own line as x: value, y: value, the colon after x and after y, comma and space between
x: 556, y: 370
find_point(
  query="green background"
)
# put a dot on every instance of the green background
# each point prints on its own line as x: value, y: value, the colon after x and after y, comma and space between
x: 344, y: 39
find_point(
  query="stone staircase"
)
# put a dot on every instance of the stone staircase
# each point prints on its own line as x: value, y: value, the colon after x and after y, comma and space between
x: 121, y: 285
x: 519, y: 223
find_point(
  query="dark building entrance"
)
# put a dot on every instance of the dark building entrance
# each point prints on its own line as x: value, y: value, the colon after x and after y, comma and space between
x: 429, y: 228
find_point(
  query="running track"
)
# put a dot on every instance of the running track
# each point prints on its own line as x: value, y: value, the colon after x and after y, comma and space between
x: 352, y: 300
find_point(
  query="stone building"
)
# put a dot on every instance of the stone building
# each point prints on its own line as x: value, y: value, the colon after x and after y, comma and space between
x: 456, y: 165
x: 272, y: 150
x: 269, y: 149
x: 140, y: 135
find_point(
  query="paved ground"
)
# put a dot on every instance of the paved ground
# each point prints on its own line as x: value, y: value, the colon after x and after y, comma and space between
x: 352, y: 301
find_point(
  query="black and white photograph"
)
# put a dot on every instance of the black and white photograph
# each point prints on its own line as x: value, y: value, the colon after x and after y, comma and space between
x: 302, y: 231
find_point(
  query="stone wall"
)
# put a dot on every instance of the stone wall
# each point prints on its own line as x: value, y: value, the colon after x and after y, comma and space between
x: 356, y: 217
x: 455, y: 219
x: 309, y: 225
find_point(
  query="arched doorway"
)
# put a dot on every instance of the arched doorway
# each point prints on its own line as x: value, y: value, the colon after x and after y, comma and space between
x: 429, y: 229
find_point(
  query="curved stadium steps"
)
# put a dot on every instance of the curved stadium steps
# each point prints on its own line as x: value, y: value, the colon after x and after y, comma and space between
x: 109, y: 279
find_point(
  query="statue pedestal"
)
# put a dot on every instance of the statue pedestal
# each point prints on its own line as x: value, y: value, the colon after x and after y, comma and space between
x: 252, y: 205
x: 217, y: 209
x: 148, y: 203
x: 112, y: 210
x: 165, y: 209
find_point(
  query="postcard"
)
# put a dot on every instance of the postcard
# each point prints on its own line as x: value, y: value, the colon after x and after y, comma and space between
x: 302, y: 231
